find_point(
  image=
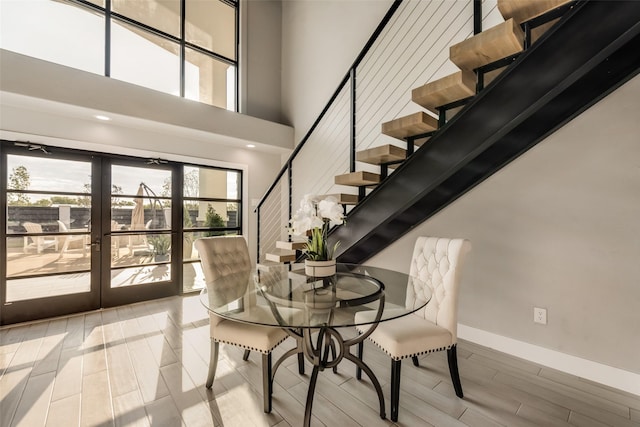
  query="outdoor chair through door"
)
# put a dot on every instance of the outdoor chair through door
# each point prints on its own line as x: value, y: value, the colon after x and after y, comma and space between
x: 39, y: 242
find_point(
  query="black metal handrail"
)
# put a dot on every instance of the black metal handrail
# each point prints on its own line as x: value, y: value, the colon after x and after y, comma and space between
x: 387, y: 17
x: 349, y: 76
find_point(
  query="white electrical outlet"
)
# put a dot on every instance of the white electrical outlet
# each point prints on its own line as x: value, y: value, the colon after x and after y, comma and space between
x: 540, y: 315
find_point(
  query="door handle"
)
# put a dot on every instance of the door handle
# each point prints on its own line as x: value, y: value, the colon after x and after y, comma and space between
x: 95, y: 244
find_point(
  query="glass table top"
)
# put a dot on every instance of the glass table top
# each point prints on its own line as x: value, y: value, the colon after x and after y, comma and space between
x: 279, y: 297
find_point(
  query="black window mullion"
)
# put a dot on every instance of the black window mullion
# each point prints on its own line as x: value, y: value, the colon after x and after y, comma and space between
x: 177, y: 227
x: 237, y: 74
x: 241, y: 203
x: 183, y: 23
x: 107, y: 38
x: 210, y: 53
x: 3, y: 219
x: 144, y: 27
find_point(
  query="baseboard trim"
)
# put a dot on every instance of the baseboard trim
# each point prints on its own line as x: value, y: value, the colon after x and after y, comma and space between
x: 607, y: 375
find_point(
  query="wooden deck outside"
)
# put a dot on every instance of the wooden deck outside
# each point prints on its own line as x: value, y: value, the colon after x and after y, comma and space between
x: 69, y: 273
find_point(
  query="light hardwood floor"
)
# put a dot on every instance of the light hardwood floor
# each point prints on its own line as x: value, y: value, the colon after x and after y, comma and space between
x: 145, y: 364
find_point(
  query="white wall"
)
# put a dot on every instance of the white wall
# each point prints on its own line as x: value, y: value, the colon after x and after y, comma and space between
x: 558, y: 228
x: 260, y: 59
x: 320, y: 41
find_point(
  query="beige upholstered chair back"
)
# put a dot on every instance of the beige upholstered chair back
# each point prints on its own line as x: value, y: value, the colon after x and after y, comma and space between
x: 224, y: 257
x: 435, y: 267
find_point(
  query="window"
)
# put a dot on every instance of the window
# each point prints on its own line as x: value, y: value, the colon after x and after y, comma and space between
x: 211, y: 25
x: 144, y: 59
x: 56, y: 31
x: 142, y: 43
x: 211, y: 207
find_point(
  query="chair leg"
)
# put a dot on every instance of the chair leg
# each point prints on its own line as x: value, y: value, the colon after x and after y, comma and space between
x: 415, y: 361
x: 360, y: 351
x: 213, y: 362
x: 245, y: 356
x: 333, y: 355
x: 395, y: 388
x: 267, y: 382
x: 452, y: 356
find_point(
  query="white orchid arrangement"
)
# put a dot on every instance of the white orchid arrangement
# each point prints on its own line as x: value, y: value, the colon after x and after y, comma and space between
x: 317, y: 216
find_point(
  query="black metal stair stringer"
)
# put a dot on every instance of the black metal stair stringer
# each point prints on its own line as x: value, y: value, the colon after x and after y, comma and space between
x: 586, y: 56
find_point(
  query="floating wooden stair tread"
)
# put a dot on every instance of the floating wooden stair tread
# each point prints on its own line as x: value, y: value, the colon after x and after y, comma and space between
x: 291, y: 246
x: 297, y: 274
x: 382, y: 154
x: 281, y: 255
x: 411, y: 125
x: 345, y: 199
x: 498, y: 42
x: 358, y: 179
x: 446, y: 90
x: 269, y: 266
x: 524, y: 10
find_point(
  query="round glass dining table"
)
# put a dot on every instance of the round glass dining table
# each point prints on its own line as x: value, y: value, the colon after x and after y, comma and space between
x: 316, y: 311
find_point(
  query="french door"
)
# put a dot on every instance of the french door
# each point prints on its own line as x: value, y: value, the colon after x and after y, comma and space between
x: 51, y: 244
x: 86, y: 230
x: 83, y: 231
x: 138, y: 239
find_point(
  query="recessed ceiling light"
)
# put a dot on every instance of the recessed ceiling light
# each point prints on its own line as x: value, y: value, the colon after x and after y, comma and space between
x: 101, y: 117
x: 251, y: 146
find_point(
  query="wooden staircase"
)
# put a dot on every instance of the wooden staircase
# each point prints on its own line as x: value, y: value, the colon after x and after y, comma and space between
x: 480, y: 59
x: 525, y: 11
x: 492, y: 127
x: 438, y: 97
x: 589, y: 53
x: 454, y: 87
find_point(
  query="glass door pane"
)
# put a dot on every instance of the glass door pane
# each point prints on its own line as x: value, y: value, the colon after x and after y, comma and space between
x: 211, y: 207
x: 140, y: 233
x: 48, y: 262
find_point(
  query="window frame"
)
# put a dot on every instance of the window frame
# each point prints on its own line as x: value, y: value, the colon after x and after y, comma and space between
x: 109, y: 15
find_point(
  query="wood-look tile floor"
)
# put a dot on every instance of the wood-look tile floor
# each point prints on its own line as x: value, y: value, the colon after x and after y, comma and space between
x: 145, y: 365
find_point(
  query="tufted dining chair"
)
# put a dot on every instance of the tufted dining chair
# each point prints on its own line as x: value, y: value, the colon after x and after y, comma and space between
x: 435, y: 270
x: 227, y: 269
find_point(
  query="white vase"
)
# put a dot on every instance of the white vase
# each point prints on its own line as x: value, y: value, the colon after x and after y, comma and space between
x: 320, y: 268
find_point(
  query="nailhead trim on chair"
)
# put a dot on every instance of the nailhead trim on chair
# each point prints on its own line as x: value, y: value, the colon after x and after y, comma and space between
x: 411, y: 355
x: 252, y: 348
